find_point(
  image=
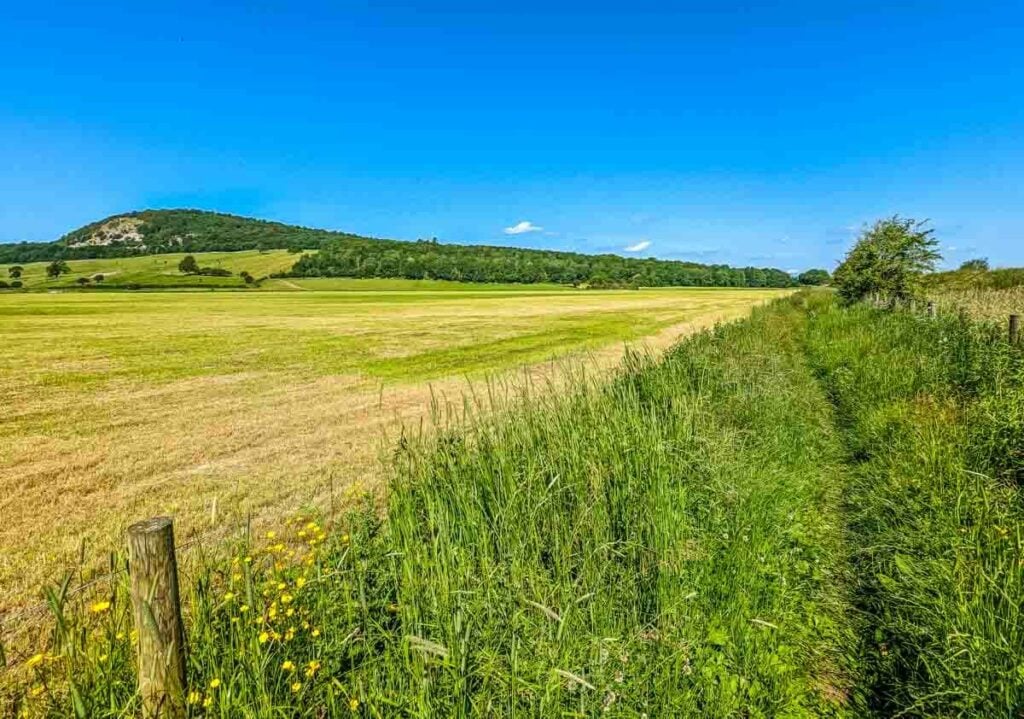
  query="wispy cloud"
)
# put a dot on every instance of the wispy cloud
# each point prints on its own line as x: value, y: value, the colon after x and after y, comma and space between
x: 638, y: 247
x: 522, y: 227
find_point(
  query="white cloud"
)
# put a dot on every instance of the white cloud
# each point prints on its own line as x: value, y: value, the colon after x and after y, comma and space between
x: 520, y: 228
x: 638, y: 247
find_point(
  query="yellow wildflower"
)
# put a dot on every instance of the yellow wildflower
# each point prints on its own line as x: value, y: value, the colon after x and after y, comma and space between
x: 194, y: 697
x: 271, y: 534
x: 35, y: 660
x: 37, y: 690
x: 99, y: 607
x: 286, y: 598
x: 229, y: 596
x: 244, y: 608
x: 353, y: 704
x: 296, y: 687
x: 315, y: 633
x: 288, y: 665
x: 208, y: 702
x: 264, y: 637
x: 300, y: 582
x: 214, y: 683
x: 312, y: 668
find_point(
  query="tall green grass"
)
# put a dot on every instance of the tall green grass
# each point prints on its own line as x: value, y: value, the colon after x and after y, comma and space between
x: 669, y: 544
x: 933, y: 418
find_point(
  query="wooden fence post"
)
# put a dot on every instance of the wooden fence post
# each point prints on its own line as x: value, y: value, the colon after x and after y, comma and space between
x: 1014, y: 329
x: 157, y: 612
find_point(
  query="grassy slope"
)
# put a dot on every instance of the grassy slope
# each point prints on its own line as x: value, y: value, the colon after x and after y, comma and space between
x: 159, y: 270
x: 668, y: 545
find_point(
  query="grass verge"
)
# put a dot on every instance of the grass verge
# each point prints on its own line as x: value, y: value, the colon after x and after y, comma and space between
x: 932, y: 413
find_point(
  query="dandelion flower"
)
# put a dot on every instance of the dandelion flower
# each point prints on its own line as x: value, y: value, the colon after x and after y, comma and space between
x: 288, y: 665
x: 353, y: 704
x: 264, y: 637
x: 315, y: 633
x: 300, y: 582
x: 296, y: 687
x: 214, y: 683
x: 99, y: 607
x: 312, y: 668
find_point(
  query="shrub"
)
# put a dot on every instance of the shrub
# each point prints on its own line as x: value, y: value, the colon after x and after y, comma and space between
x: 888, y: 260
x: 188, y: 265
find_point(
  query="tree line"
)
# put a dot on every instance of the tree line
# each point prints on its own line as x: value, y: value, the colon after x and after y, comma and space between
x: 481, y: 263
x: 347, y: 255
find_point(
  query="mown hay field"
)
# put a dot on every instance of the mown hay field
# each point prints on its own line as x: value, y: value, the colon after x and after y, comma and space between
x: 218, y: 406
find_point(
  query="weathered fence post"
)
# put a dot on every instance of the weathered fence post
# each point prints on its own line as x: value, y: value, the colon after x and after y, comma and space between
x: 1014, y: 329
x: 931, y: 309
x: 157, y: 612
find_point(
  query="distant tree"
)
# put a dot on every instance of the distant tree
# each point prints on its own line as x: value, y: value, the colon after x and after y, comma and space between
x: 98, y: 278
x: 83, y: 281
x: 15, y: 271
x: 249, y: 279
x: 3, y: 285
x: 976, y: 264
x: 889, y: 259
x: 814, y: 277
x: 188, y: 265
x: 57, y: 268
x: 16, y: 284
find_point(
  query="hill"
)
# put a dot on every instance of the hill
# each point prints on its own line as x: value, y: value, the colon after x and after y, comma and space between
x: 151, y: 232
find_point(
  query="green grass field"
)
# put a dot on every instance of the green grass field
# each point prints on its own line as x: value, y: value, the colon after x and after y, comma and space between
x: 211, y: 405
x: 811, y: 513
x: 158, y: 271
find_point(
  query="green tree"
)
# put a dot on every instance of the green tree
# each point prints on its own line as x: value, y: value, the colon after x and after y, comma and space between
x: 976, y: 264
x: 188, y: 265
x: 15, y: 271
x: 57, y: 268
x: 888, y: 259
x: 83, y: 281
x: 814, y: 277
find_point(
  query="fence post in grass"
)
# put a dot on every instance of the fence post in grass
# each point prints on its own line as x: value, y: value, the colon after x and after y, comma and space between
x: 1014, y: 329
x: 157, y: 613
x: 931, y: 309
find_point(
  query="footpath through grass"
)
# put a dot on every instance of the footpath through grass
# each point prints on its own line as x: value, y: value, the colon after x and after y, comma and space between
x: 932, y: 413
x: 813, y: 512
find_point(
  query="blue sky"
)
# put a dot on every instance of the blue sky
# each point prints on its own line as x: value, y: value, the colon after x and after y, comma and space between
x: 753, y: 133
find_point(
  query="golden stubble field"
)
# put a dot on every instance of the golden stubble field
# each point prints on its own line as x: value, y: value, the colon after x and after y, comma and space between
x: 219, y: 406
